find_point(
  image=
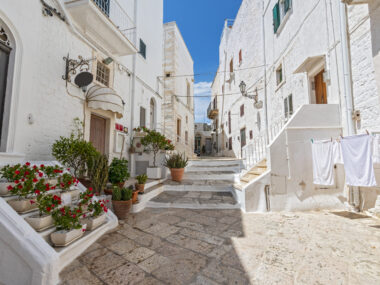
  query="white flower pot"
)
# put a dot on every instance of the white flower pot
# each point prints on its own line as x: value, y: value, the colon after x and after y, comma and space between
x: 52, y: 181
x: 93, y: 223
x: 64, y: 238
x: 22, y: 205
x: 154, y: 172
x: 74, y: 194
x: 4, y: 188
x: 40, y: 223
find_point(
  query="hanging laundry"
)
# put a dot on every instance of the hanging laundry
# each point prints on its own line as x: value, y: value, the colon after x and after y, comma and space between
x: 337, y: 153
x: 358, y: 163
x: 376, y: 149
x: 323, y: 164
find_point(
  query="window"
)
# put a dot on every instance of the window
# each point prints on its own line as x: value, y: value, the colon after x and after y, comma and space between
x: 243, y: 138
x: 279, y: 75
x: 229, y: 122
x: 242, y: 110
x: 232, y: 65
x: 178, y: 129
x: 288, y: 106
x: 167, y: 74
x: 186, y: 137
x: 280, y: 10
x: 142, y: 117
x: 251, y: 134
x: 104, y: 5
x: 142, y: 49
x: 102, y: 73
x: 240, y: 57
x: 230, y: 143
x: 188, y: 91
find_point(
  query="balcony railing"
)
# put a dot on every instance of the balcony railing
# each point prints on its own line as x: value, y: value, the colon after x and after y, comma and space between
x: 212, y: 111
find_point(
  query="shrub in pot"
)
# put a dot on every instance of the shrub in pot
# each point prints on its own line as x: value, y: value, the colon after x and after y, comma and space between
x: 67, y: 183
x: 154, y: 142
x: 176, y: 163
x: 118, y: 172
x: 84, y: 199
x: 47, y: 203
x: 69, y: 228
x: 96, y: 216
x: 121, y: 201
x: 141, y: 180
x: 98, y: 172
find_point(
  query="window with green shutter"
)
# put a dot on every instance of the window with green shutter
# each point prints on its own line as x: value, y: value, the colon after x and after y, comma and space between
x: 276, y: 17
x: 287, y: 5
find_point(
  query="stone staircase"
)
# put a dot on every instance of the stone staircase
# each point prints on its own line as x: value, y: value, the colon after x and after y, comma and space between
x: 253, y: 173
x: 207, y: 184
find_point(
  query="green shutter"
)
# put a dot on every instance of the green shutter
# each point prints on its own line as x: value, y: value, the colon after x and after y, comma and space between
x: 276, y: 17
x: 288, y: 3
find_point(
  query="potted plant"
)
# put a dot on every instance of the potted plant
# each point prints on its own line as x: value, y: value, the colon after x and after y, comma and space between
x: 84, y: 199
x: 46, y: 205
x: 135, y: 195
x: 98, y: 172
x: 141, y: 180
x: 176, y: 163
x: 66, y: 182
x: 69, y: 228
x: 118, y: 171
x: 8, y: 176
x: 96, y: 216
x: 155, y: 142
x: 121, y: 201
x: 51, y: 173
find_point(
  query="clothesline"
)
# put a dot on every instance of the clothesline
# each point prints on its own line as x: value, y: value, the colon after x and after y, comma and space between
x: 341, y: 137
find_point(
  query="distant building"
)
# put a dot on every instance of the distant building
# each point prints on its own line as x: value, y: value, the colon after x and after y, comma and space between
x: 203, y: 142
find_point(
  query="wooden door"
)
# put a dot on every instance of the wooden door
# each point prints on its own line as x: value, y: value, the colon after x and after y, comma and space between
x: 4, y: 60
x: 320, y: 89
x: 98, y: 133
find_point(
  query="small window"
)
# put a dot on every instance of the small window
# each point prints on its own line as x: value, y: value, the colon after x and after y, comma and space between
x: 279, y: 75
x: 243, y: 138
x: 142, y: 49
x: 103, y: 73
x: 251, y: 134
x: 288, y: 106
x: 142, y: 117
x: 178, y: 129
x: 240, y: 57
x: 187, y: 119
x: 229, y: 122
x: 230, y: 143
x: 167, y: 74
x: 188, y: 93
x: 242, y: 110
x: 186, y: 137
x: 232, y: 65
x: 280, y: 10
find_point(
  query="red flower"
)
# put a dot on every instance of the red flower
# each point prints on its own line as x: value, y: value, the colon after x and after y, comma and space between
x: 102, y: 205
x: 32, y: 202
x: 74, y: 216
x: 40, y: 174
x: 108, y: 201
x: 90, y: 189
x: 105, y: 209
x: 59, y: 202
x: 27, y: 164
x: 62, y: 185
x: 79, y: 211
x: 22, y: 179
x: 47, y: 187
x: 68, y: 169
x: 84, y: 215
x: 34, y: 167
x: 35, y: 180
x: 38, y: 192
x: 52, y: 205
x: 48, y: 209
x: 9, y: 187
x: 62, y: 210
x: 83, y: 230
x: 17, y: 172
x: 56, y: 171
x: 19, y: 186
x: 55, y: 198
x: 26, y: 173
x: 42, y: 166
x: 68, y: 183
x: 17, y: 181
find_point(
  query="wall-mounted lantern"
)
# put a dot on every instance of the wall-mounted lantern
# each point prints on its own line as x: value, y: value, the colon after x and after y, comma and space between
x: 84, y: 78
x: 243, y: 89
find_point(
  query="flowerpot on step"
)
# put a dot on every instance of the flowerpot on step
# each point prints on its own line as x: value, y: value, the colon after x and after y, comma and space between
x: 23, y: 205
x: 64, y: 238
x: 93, y: 223
x: 122, y: 208
x: 177, y: 174
x: 52, y: 181
x: 135, y: 197
x: 108, y: 191
x: 40, y: 223
x: 4, y: 188
x: 140, y: 188
x: 154, y: 172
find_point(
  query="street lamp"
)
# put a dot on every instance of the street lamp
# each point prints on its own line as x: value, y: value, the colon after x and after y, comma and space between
x: 243, y: 89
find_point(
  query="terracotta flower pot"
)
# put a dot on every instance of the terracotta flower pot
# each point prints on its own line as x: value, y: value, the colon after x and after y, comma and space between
x: 108, y: 191
x: 40, y: 223
x: 4, y: 188
x: 140, y: 188
x: 135, y: 197
x: 23, y: 205
x: 64, y: 238
x: 86, y: 183
x: 121, y: 208
x: 121, y: 184
x: 93, y: 223
x: 177, y: 174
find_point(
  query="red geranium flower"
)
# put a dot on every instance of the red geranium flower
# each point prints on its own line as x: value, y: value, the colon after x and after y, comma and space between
x: 9, y: 187
x: 38, y: 192
x: 35, y: 180
x: 40, y: 174
x: 78, y: 211
x: 32, y: 202
x: 27, y: 164
x: 90, y: 189
x: 42, y: 166
x: 34, y: 167
x: 17, y: 172
x: 26, y: 173
x: 48, y: 209
x: 22, y: 179
x: 74, y: 216
x: 19, y: 186
x: 83, y: 230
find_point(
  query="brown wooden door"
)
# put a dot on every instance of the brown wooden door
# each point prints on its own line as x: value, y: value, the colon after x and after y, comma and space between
x: 320, y: 89
x: 98, y: 133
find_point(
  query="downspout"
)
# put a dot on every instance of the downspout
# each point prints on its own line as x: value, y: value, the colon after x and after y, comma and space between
x: 265, y: 79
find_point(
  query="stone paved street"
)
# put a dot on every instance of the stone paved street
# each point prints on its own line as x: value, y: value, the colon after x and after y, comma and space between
x: 195, y: 197
x: 181, y: 246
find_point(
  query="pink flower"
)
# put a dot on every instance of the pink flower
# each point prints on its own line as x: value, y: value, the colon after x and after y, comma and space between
x: 84, y: 215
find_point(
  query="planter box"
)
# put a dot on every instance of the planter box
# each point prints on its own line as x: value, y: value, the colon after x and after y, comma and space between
x: 52, y: 181
x: 154, y: 172
x: 22, y: 206
x: 4, y: 188
x: 74, y: 194
x: 40, y: 223
x: 64, y: 238
x: 93, y: 223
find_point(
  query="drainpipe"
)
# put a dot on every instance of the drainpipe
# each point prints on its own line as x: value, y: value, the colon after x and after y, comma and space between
x: 265, y: 78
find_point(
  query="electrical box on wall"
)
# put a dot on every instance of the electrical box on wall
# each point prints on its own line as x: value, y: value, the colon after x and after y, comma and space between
x: 137, y: 145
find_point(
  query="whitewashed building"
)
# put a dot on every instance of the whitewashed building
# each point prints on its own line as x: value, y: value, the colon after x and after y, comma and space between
x: 178, y: 80
x: 310, y: 70
x: 203, y: 139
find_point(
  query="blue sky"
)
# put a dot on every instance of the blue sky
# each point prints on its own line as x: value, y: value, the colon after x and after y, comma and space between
x: 201, y: 24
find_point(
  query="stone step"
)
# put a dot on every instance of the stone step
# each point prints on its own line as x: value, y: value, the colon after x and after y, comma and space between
x: 249, y: 177
x: 210, y: 175
x: 199, y: 185
x: 258, y: 170
x: 233, y: 167
x: 214, y: 162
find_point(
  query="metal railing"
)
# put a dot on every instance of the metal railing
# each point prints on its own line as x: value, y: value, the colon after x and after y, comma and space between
x: 117, y: 14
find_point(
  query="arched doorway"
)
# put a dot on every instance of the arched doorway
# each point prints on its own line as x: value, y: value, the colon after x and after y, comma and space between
x: 7, y: 51
x: 152, y: 114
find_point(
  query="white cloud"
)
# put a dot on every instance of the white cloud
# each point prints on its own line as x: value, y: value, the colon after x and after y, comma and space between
x: 201, y: 104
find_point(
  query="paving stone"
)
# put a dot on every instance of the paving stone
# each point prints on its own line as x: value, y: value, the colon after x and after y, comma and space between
x: 201, y: 280
x: 123, y: 246
x: 162, y: 230
x: 79, y: 276
x: 204, y: 220
x: 192, y: 244
x: 110, y: 239
x: 202, y: 236
x: 125, y: 274
x: 228, y: 220
x: 152, y: 263
x: 101, y: 260
x: 138, y: 254
x: 151, y: 281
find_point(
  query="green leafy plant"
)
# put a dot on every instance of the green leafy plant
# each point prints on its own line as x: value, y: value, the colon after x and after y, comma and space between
x: 18, y: 172
x: 122, y: 194
x: 85, y: 197
x: 47, y: 204
x: 51, y: 171
x: 155, y: 142
x: 176, y: 161
x: 141, y: 179
x: 67, y: 218
x: 98, y: 172
x: 118, y: 171
x: 66, y: 181
x: 97, y: 208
